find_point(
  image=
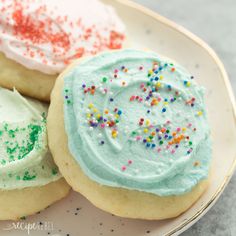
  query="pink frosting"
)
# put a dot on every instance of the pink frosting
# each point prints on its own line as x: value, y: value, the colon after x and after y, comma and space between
x: 46, y: 35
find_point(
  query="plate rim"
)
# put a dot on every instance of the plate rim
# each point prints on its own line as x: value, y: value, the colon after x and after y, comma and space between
x: 180, y: 29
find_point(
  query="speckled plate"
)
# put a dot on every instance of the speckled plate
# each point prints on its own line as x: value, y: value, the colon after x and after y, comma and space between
x: 75, y: 216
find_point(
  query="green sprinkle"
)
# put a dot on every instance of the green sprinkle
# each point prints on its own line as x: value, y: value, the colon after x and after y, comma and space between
x: 17, y: 150
x: 104, y: 79
x: 35, y: 131
x: 12, y: 150
x: 44, y: 116
x: 3, y: 162
x: 6, y: 127
x: 11, y: 133
x: 27, y: 176
x: 54, y: 171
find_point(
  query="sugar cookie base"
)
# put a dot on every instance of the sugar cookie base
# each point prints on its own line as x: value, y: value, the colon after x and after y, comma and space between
x: 31, y: 83
x: 118, y: 201
x: 28, y: 201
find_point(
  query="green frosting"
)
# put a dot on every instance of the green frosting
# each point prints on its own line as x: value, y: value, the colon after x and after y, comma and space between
x: 137, y: 121
x: 24, y: 157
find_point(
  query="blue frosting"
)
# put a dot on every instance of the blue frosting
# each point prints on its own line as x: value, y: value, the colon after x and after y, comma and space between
x: 137, y: 121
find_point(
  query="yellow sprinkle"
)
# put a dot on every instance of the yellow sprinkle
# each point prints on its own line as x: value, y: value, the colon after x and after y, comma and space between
x: 117, y: 116
x: 183, y: 129
x: 150, y: 72
x: 148, y: 140
x: 145, y: 130
x: 158, y: 84
x: 90, y: 105
x: 88, y: 115
x: 95, y: 110
x: 98, y: 116
x: 188, y: 84
x: 161, y: 77
x: 165, y: 103
x: 114, y: 133
x: 147, y: 122
x: 199, y: 113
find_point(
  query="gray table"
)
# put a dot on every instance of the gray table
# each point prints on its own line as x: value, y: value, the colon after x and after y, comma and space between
x: 215, y: 22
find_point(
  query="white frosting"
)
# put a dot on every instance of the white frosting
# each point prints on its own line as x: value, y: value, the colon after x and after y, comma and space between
x: 15, y: 109
x: 24, y: 157
x: 46, y: 35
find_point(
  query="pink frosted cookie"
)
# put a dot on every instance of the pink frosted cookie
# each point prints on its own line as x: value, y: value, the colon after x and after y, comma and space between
x: 39, y: 38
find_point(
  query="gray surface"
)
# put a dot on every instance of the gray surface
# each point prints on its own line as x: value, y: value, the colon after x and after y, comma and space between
x: 215, y: 22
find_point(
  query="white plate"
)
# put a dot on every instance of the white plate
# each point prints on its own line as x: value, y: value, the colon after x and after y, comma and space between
x: 152, y: 31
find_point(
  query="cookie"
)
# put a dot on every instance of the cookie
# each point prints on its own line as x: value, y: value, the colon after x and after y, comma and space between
x: 38, y: 39
x: 129, y: 131
x: 29, y: 179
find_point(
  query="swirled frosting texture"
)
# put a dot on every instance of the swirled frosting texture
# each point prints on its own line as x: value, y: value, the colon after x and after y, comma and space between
x: 46, y: 35
x: 137, y: 121
x: 24, y: 157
